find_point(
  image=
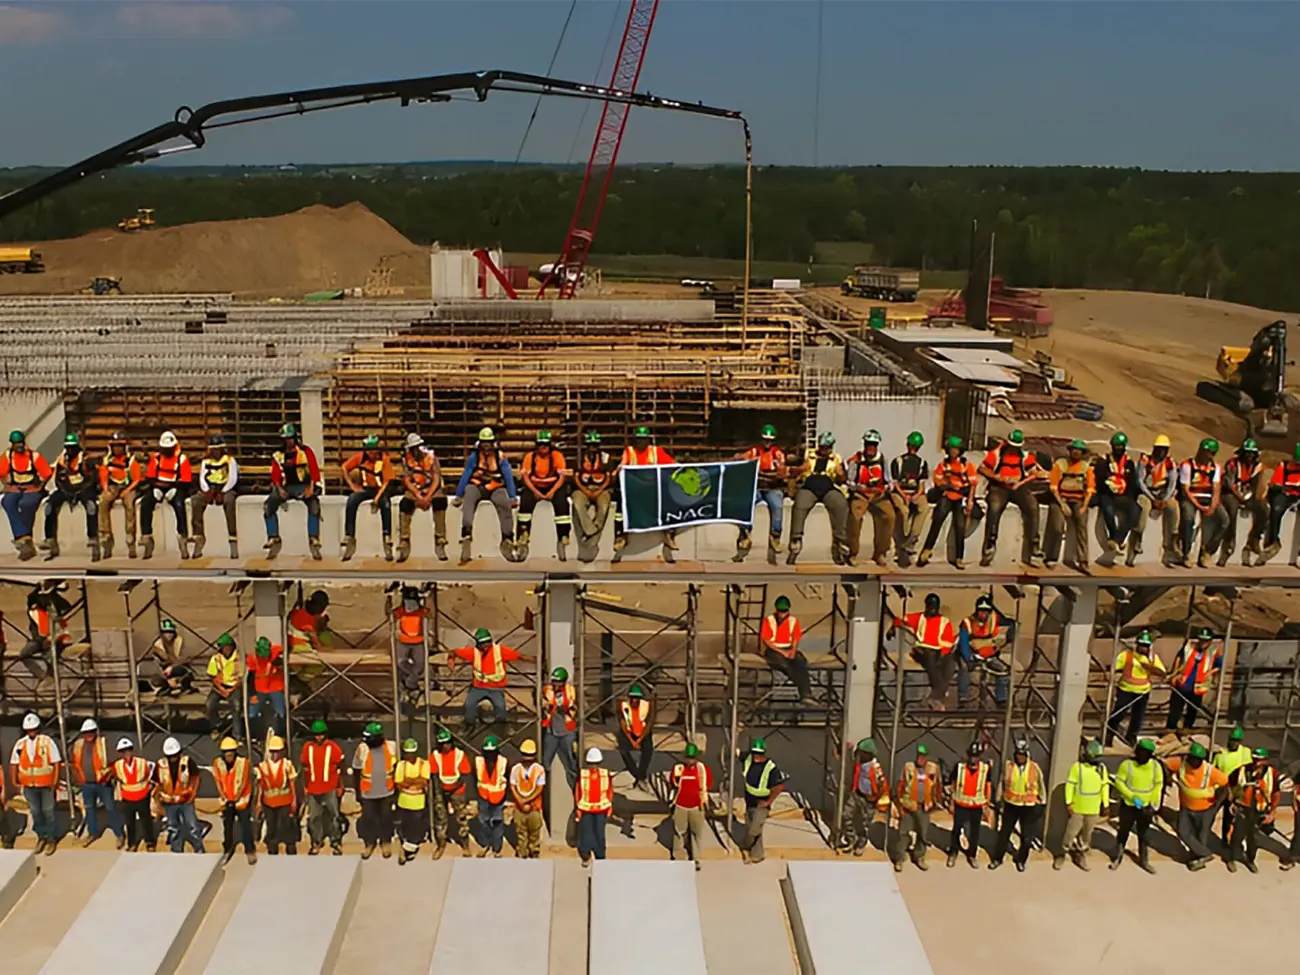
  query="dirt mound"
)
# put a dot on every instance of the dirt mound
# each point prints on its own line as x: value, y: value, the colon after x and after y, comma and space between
x: 313, y: 249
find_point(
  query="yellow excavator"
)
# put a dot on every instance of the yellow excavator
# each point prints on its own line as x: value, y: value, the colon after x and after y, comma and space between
x: 1253, y: 380
x: 142, y: 220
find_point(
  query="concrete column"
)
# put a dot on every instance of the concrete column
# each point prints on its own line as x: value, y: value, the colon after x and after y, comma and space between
x: 1071, y: 694
x: 311, y: 403
x: 863, y: 645
x: 563, y: 631
x: 267, y: 619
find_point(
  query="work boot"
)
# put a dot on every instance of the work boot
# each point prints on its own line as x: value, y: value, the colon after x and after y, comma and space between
x: 387, y: 546
x: 1116, y: 860
x: 959, y: 563
x: 130, y: 548
x: 106, y: 546
x: 620, y: 543
x: 1144, y: 861
x: 336, y: 850
x: 386, y: 850
x: 952, y: 859
x: 562, y: 548
x: 667, y: 552
x: 404, y: 548
x: 368, y: 852
x: 1232, y: 866
x: 198, y: 541
x: 796, y: 546
x: 509, y: 552
x: 313, y: 546
x: 1197, y: 863
x: 349, y: 548
x: 923, y: 559
x: 1134, y: 549
x: 227, y: 857
x: 26, y: 550
x: 670, y: 540
x: 986, y: 557
x: 994, y: 864
x: 93, y: 545
x: 466, y: 550
x: 1203, y: 559
x: 439, y: 547
x: 439, y: 850
x: 1058, y: 862
x: 1035, y: 561
x: 234, y: 549
x: 920, y: 863
x: 519, y: 550
x: 898, y: 866
x: 40, y: 845
x: 147, y: 543
x: 51, y: 548
x: 313, y: 850
x: 1224, y: 555
x: 1250, y: 865
x: 252, y: 857
x: 184, y: 544
x: 1270, y: 552
x: 743, y: 544
x: 51, y: 846
x: 273, y: 546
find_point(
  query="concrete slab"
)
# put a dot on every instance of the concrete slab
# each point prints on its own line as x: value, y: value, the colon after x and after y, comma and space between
x: 17, y: 871
x: 631, y: 898
x: 743, y: 918
x: 272, y: 930
x: 570, y: 915
x: 517, y: 889
x: 235, y: 877
x: 850, y: 918
x: 395, y: 923
x: 36, y: 925
x: 177, y: 890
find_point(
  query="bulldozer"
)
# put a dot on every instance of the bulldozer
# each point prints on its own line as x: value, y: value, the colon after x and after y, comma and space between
x: 1253, y: 381
x: 103, y: 285
x: 142, y: 220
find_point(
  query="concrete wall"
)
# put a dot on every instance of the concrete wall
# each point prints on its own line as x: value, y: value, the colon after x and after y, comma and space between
x: 39, y: 413
x: 894, y: 417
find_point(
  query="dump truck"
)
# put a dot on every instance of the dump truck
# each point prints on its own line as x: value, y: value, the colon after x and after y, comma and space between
x: 20, y: 260
x: 882, y: 283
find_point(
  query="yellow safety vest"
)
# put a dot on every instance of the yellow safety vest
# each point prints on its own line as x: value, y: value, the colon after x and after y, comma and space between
x: 1022, y: 786
x: 1140, y: 780
x: 1229, y: 760
x: 762, y: 790
x: 1087, y: 789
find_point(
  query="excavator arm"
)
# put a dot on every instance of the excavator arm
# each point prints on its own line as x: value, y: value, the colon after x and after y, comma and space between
x: 1252, y: 379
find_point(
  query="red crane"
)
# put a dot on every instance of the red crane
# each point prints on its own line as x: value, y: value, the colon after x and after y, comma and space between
x: 566, y: 273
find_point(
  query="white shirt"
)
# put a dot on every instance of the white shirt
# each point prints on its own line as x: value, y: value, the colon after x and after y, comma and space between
x: 1185, y: 473
x: 517, y: 774
x: 229, y: 485
x: 14, y: 756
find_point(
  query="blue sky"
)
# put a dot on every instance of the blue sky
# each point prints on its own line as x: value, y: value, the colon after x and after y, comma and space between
x: 1154, y: 84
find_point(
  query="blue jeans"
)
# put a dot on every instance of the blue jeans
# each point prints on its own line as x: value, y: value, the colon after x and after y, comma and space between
x: 477, y: 695
x: 40, y: 803
x: 591, y: 835
x: 182, y: 825
x: 92, y: 794
x: 275, y: 699
x: 564, y: 744
x: 271, y: 510
x: 21, y: 507
x: 774, y: 498
x: 492, y: 817
x: 355, y: 500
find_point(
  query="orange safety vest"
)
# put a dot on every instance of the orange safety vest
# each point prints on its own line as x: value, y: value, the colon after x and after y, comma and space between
x: 561, y: 704
x: 1202, y: 664
x: 528, y: 790
x: 183, y: 789
x: 491, y: 785
x: 1200, y: 482
x: 1287, y: 477
x: 770, y: 459
x: 368, y: 763
x: 320, y: 765
x: 544, y: 470
x: 932, y: 632
x: 74, y: 474
x: 1256, y: 793
x: 1073, y: 483
x: 651, y: 455
x: 1007, y: 462
x: 300, y: 634
x: 917, y: 790
x: 419, y: 471
x: 489, y: 667
x: 877, y: 784
x: 1021, y: 793
x: 119, y: 470
x: 1157, y: 472
x: 372, y: 471
x: 871, y: 473
x: 634, y: 719
x: 983, y: 636
x: 1137, y: 684
x: 233, y: 782
x: 593, y: 473
x: 972, y: 785
x: 955, y: 477
x: 1197, y: 784
x: 36, y: 771
x: 784, y: 635
x: 410, y: 625
x: 132, y: 778
x: 276, y: 780
x: 1114, y: 474
x: 167, y: 469
x: 487, y: 475
x: 98, y: 760
x: 23, y: 469
x: 1235, y: 472
x: 595, y: 792
x: 450, y: 772
x: 297, y: 461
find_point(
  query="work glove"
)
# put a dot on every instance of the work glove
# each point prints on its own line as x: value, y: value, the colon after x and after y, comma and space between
x: 1138, y: 803
x: 157, y: 494
x: 171, y: 493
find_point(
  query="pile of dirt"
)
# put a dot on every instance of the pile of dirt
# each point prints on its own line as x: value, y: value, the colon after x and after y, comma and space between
x: 313, y: 249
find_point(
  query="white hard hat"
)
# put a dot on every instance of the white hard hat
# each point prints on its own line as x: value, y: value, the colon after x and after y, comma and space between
x: 594, y: 757
x: 168, y: 439
x: 30, y: 721
x: 89, y: 725
x: 170, y: 747
x: 124, y: 743
x: 414, y: 440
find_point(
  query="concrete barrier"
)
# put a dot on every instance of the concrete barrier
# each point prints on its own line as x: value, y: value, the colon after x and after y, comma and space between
x: 645, y: 919
x: 849, y: 918
x: 744, y: 924
x: 292, y: 918
x: 17, y: 871
x: 141, y: 918
x: 520, y: 890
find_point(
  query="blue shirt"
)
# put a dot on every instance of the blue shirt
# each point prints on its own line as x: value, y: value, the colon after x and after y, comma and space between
x: 471, y: 462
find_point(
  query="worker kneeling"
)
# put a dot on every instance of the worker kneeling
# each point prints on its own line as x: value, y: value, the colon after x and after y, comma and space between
x: 545, y: 479
x: 487, y: 477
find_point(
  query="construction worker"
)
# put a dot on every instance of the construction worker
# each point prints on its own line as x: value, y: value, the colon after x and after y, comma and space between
x: 1201, y: 789
x: 970, y: 790
x: 47, y: 629
x: 488, y: 660
x: 1073, y: 482
x: 546, y: 478
x: 24, y: 473
x: 916, y: 795
x: 1200, y: 490
x: 35, y: 765
x: 980, y: 639
x: 868, y: 795
x: 780, y: 635
x: 560, y: 724
x: 373, y: 764
x: 870, y: 493
x: 422, y: 490
x: 691, y: 781
x: 1115, y: 478
x: 172, y: 676
x: 409, y: 619
x: 411, y: 778
x: 265, y: 664
x: 763, y: 783
x: 1283, y: 495
x: 1194, y: 668
x: 1011, y: 472
x: 93, y: 774
x: 1136, y: 668
x: 233, y: 775
x: 772, y: 474
x: 450, y: 802
x: 176, y: 785
x: 76, y: 481
x: 295, y: 476
x: 1024, y: 799
x: 309, y: 634
x: 636, y: 734
x: 491, y: 780
x: 593, y: 802
x: 487, y: 477
x: 369, y: 476
x: 134, y: 778
x: 120, y: 477
x: 322, y: 781
x: 277, y: 798
x: 641, y: 452
x: 1157, y: 485
x: 1246, y: 480
x: 593, y: 479
x: 1140, y: 783
x: 1254, y: 800
x: 168, y: 478
x: 1228, y: 760
x: 820, y: 479
x: 527, y: 781
x: 1087, y: 796
x: 909, y: 477
x: 934, y: 638
x: 218, y: 482
x: 953, y: 493
x: 225, y: 693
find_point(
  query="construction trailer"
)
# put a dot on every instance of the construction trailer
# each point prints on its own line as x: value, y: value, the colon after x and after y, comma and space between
x: 21, y: 260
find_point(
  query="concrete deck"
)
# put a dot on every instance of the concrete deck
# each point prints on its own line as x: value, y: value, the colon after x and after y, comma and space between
x: 743, y: 917
x: 17, y: 872
x: 645, y: 919
x: 520, y: 890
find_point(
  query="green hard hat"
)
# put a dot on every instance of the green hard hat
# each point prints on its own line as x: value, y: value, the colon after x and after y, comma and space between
x: 922, y: 750
x: 17, y: 436
x: 559, y: 673
x: 1205, y: 633
x: 410, y: 746
x: 1249, y: 446
x: 1016, y: 437
x: 1210, y: 444
x: 1146, y: 745
x: 1144, y: 639
x: 373, y: 728
x: 225, y: 640
x: 1078, y: 445
x: 871, y: 436
x: 319, y: 727
x: 1297, y: 451
x: 914, y: 439
x: 826, y: 439
x: 1197, y: 750
x: 1236, y: 734
x: 692, y: 750
x: 953, y: 441
x: 642, y: 431
x: 635, y: 691
x: 491, y: 743
x: 1119, y: 439
x: 543, y: 436
x: 1259, y: 753
x: 758, y: 745
x: 262, y: 647
x: 1093, y: 749
x: 443, y: 735
x: 867, y: 745
x: 482, y: 636
x: 167, y: 626
x: 370, y: 443
x: 288, y: 430
x: 593, y: 436
x: 782, y: 603
x: 769, y: 432
x: 72, y: 440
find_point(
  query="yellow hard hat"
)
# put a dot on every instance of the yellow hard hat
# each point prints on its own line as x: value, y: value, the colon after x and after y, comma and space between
x: 228, y: 744
x: 1161, y: 441
x: 529, y: 747
x: 275, y: 744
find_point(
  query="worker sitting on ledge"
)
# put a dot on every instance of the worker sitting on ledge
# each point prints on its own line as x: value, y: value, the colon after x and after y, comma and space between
x: 1200, y: 488
x: 295, y: 476
x: 594, y: 480
x: 218, y: 478
x: 869, y: 488
x: 909, y: 473
x: 1073, y: 483
x: 819, y: 479
x: 168, y: 478
x: 369, y: 473
x: 1116, y: 480
x: 781, y: 635
x: 1283, y: 494
x: 421, y: 489
x: 1245, y: 482
x: 76, y: 481
x: 546, y: 478
x: 24, y: 473
x: 953, y: 493
x: 1012, y: 473
x: 1158, y: 480
x: 640, y: 453
x: 487, y: 477
x: 771, y: 492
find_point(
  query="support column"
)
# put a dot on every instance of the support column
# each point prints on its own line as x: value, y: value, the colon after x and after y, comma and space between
x: 311, y: 404
x: 267, y: 618
x: 1071, y: 695
x: 563, y: 631
x: 862, y: 646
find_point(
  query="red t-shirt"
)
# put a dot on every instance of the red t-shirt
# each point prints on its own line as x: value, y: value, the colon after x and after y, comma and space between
x: 688, y: 780
x: 320, y: 766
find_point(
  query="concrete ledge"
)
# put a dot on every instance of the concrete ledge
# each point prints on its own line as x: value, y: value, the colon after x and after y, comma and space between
x: 141, y: 918
x: 17, y: 871
x: 645, y: 919
x: 745, y: 930
x: 520, y: 890
x: 292, y: 918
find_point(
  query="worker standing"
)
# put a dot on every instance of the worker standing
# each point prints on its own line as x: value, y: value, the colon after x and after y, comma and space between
x: 1195, y: 667
x: 819, y: 479
x: 373, y: 764
x: 24, y: 473
x: 1254, y: 798
x: 120, y: 477
x: 322, y: 761
x: 1200, y: 489
x: 225, y: 703
x: 1228, y: 760
x: 691, y: 782
x: 492, y: 782
x: 218, y: 482
x: 636, y: 734
x: 1140, y: 783
x: 451, y: 766
x: 176, y: 785
x: 560, y: 724
x: 76, y: 481
x: 1157, y: 484
x: 169, y: 478
x: 369, y: 476
x: 1087, y: 795
x: 868, y: 478
x: 546, y: 478
x: 487, y: 477
x: 772, y: 473
x: 488, y: 660
x: 593, y: 801
x: 412, y: 780
x: 934, y: 638
x: 641, y: 452
x: 591, y: 501
x: 916, y: 796
x: 1073, y: 482
x: 1024, y: 799
x: 1011, y: 472
x: 233, y: 775
x: 980, y: 640
x: 763, y: 783
x: 1246, y: 483
x: 409, y: 618
x: 1136, y: 668
x: 1116, y: 480
x: 93, y: 773
x: 527, y: 781
x: 422, y: 490
x: 955, y: 479
x: 1283, y: 495
x: 35, y: 764
x: 1201, y: 788
x: 868, y: 795
x: 909, y: 476
x: 780, y: 635
x: 264, y: 663
x: 971, y: 791
x: 134, y: 777
x: 295, y: 476
x: 277, y: 798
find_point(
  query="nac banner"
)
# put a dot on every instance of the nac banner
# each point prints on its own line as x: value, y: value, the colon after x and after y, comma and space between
x: 669, y: 496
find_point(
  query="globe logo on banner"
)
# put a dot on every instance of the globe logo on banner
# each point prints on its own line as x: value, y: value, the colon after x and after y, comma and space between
x: 657, y: 497
x: 688, y: 486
